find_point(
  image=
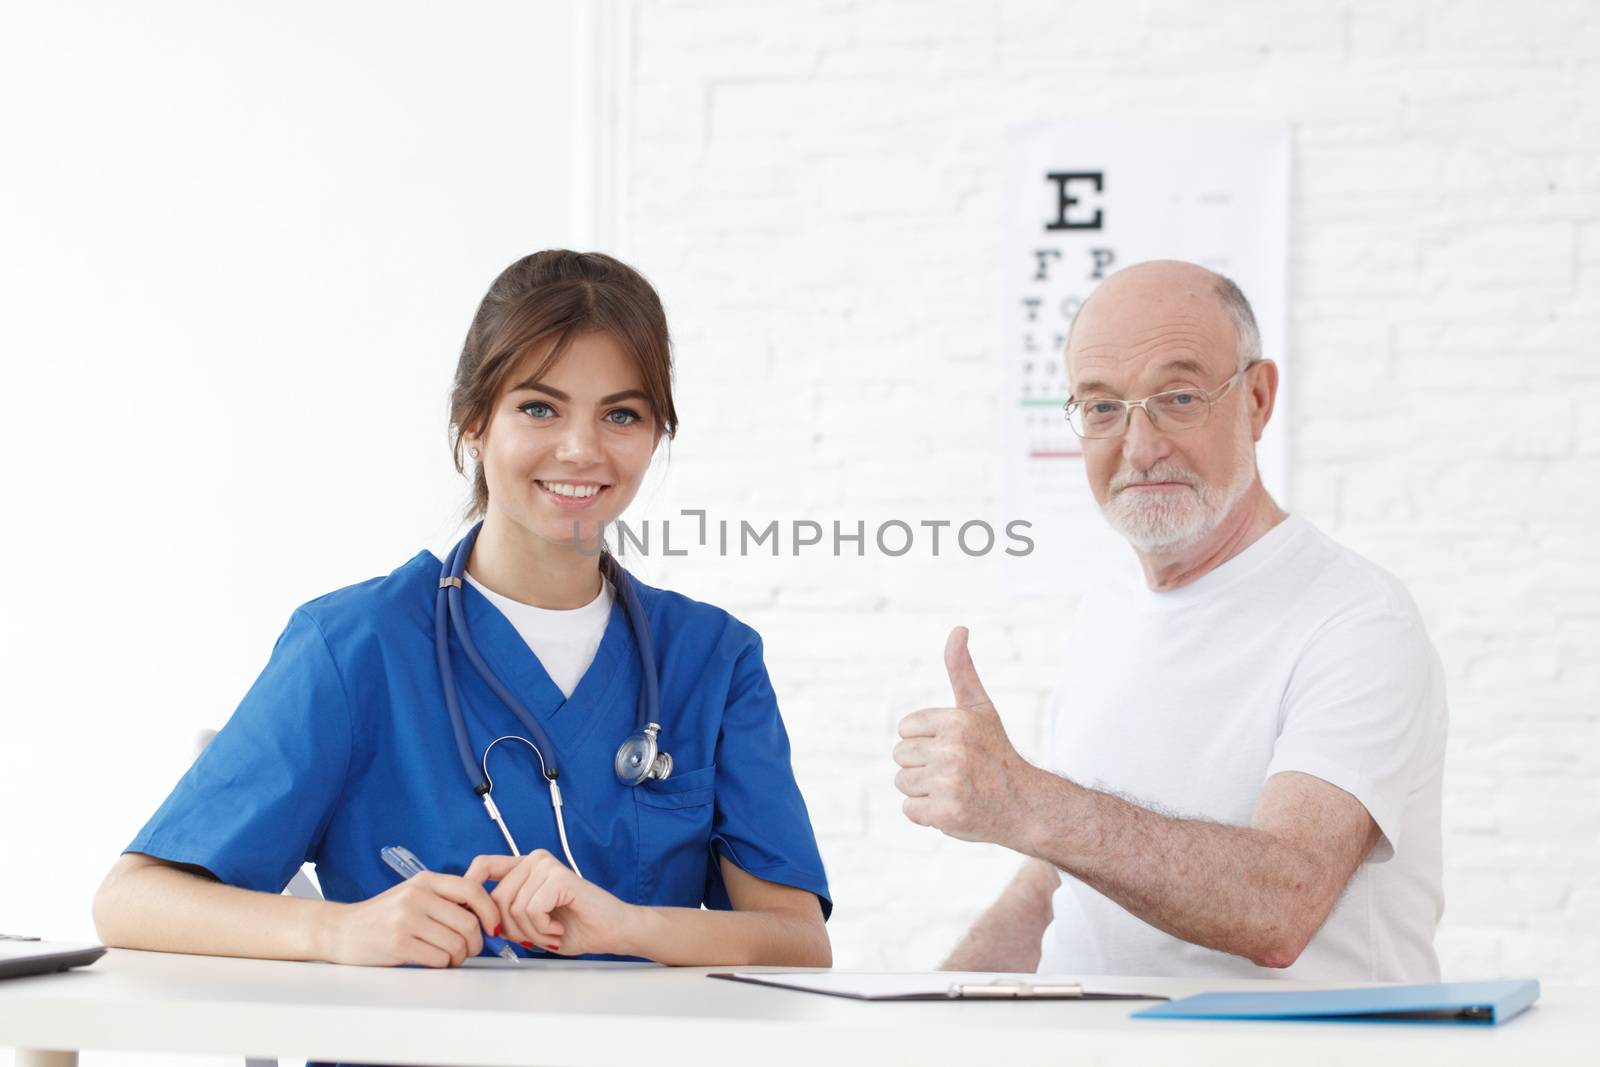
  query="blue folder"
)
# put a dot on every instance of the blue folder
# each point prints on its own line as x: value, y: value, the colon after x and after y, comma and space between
x: 1480, y: 1003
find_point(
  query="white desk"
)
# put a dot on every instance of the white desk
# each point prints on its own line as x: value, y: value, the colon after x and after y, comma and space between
x: 569, y: 1014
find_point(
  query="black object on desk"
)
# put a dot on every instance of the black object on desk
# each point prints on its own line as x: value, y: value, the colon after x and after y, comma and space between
x: 21, y: 955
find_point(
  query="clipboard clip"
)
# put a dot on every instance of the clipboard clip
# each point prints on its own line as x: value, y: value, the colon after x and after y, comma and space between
x: 1010, y: 989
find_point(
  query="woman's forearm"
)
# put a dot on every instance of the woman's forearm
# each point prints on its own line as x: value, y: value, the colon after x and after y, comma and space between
x: 693, y: 937
x: 149, y: 904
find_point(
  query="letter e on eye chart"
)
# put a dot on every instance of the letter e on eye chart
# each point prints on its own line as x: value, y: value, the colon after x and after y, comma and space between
x: 1083, y: 200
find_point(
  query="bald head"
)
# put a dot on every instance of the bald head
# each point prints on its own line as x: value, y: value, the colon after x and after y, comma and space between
x: 1164, y: 303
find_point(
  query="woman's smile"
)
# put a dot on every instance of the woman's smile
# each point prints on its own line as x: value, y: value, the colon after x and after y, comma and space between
x: 572, y: 496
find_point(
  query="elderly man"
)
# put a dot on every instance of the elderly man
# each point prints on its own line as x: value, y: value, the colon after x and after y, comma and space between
x: 1248, y: 730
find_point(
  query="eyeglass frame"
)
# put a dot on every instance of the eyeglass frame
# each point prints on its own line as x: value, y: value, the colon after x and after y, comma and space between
x: 1211, y: 398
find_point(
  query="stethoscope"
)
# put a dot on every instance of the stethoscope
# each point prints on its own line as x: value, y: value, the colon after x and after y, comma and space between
x: 639, y: 759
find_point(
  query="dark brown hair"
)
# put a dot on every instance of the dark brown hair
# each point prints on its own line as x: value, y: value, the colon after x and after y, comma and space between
x: 557, y: 295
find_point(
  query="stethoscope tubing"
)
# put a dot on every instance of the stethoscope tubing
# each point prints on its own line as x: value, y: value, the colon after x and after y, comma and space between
x: 450, y: 617
x: 458, y: 624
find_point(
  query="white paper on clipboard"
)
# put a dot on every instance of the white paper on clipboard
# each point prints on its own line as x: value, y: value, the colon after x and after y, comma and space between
x: 935, y: 985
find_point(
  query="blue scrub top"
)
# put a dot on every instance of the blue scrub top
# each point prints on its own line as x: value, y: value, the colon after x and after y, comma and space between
x: 343, y: 746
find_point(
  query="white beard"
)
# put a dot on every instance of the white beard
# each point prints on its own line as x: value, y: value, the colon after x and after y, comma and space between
x: 1170, y: 521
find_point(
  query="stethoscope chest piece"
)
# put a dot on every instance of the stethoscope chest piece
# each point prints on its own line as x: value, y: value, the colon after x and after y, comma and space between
x: 640, y: 758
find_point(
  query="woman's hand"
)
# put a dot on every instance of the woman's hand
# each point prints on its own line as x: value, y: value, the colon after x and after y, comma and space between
x: 543, y: 904
x: 436, y: 920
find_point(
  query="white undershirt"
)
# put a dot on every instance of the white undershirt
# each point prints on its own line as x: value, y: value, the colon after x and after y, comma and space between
x: 565, y: 641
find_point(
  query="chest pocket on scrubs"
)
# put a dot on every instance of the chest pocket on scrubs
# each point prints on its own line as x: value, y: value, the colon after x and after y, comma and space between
x: 675, y: 837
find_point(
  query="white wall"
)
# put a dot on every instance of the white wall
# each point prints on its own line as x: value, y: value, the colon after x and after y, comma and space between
x: 816, y: 188
x: 242, y: 245
x: 241, y: 249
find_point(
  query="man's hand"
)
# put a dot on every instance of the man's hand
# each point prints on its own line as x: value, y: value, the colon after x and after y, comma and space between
x: 541, y: 902
x: 958, y: 769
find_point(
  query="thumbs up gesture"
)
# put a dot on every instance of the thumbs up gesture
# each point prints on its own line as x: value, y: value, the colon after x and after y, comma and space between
x: 958, y: 769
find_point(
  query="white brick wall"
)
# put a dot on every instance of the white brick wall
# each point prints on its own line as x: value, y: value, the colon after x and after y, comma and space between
x: 815, y: 187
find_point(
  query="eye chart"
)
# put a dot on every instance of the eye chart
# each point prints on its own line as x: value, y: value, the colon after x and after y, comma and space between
x: 1086, y: 199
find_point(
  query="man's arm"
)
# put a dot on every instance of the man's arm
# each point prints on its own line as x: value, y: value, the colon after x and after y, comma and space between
x: 1007, y: 936
x: 1261, y: 891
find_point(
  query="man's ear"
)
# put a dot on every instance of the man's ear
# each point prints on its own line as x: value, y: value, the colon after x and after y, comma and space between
x: 1261, y: 387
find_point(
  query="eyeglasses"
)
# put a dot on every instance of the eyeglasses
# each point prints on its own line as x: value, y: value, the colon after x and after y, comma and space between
x: 1173, y: 410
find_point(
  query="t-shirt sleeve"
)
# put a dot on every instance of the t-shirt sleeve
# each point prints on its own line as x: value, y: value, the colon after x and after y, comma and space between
x: 760, y: 822
x: 1361, y: 713
x: 254, y: 805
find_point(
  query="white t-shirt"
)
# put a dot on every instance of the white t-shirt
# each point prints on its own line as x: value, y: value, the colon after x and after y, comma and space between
x: 1295, y: 655
x: 564, y: 640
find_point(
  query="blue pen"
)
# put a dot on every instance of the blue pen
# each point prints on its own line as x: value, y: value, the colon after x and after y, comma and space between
x: 404, y: 862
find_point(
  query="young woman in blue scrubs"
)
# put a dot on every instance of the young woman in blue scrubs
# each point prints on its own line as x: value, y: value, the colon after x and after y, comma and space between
x: 343, y: 746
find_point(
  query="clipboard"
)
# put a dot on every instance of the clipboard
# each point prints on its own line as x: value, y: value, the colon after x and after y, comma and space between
x: 1470, y: 1003
x: 934, y: 986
